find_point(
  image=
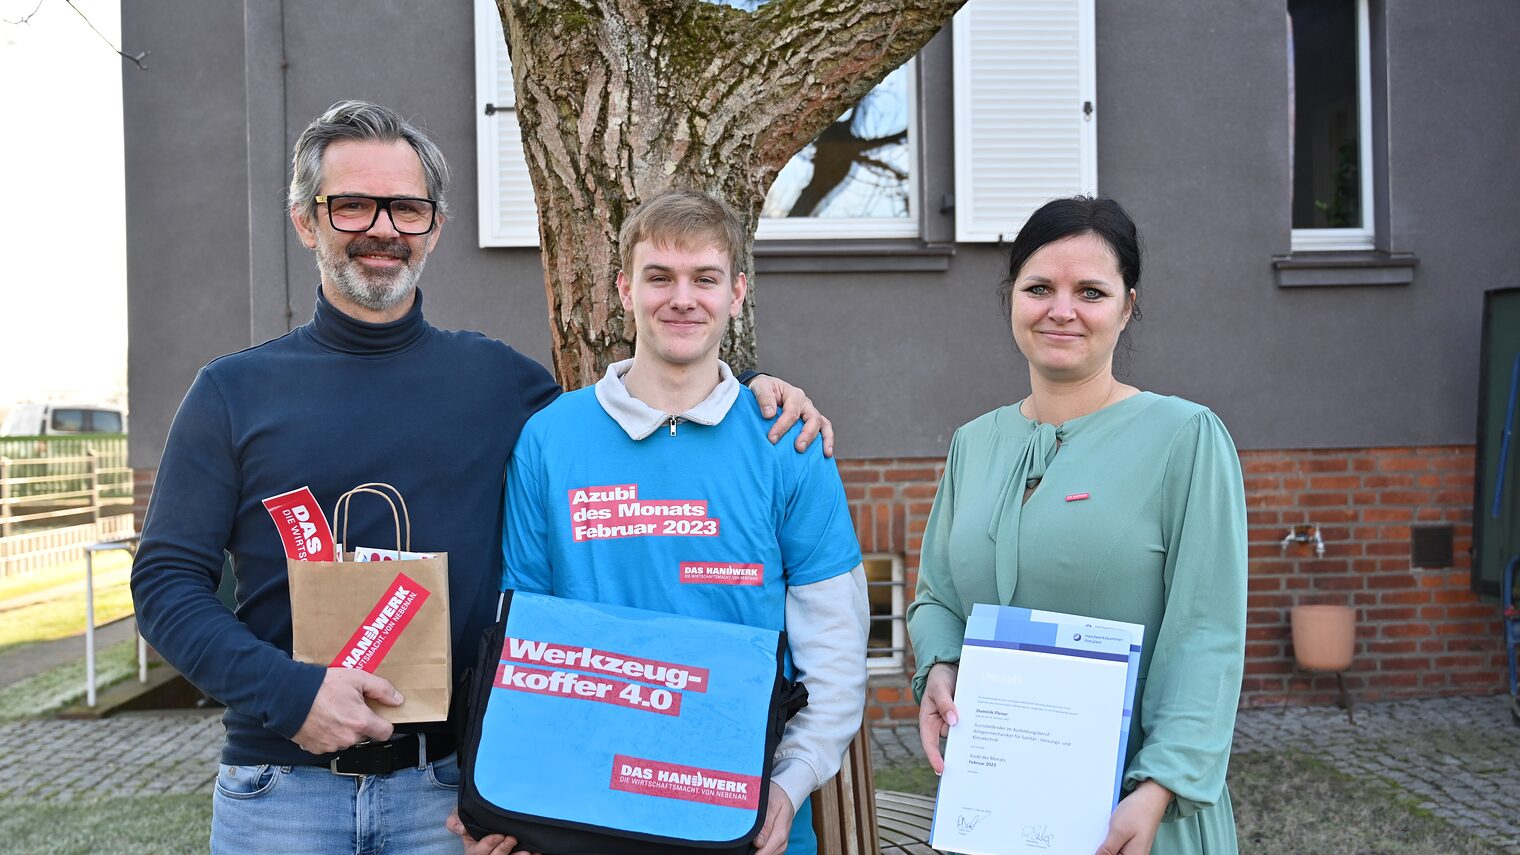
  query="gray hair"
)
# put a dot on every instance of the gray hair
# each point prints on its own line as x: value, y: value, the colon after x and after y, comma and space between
x: 365, y: 122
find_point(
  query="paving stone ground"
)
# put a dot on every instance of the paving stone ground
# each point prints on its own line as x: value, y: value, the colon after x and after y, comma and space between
x: 124, y: 755
x: 1458, y: 758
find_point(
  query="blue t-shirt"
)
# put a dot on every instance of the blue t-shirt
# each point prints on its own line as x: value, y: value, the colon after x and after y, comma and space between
x: 712, y: 522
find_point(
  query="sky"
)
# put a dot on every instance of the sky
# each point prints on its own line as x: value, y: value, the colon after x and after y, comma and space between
x: 63, y: 295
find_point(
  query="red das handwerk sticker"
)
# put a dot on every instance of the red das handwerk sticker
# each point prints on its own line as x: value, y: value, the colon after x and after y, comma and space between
x: 367, y: 647
x: 719, y: 573
x: 302, y: 526
x: 615, y: 510
x: 688, y: 783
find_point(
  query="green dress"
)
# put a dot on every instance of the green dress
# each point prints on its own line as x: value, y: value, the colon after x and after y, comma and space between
x: 1137, y: 514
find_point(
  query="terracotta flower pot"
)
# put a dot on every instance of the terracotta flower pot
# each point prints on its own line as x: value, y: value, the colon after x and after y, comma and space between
x: 1324, y: 637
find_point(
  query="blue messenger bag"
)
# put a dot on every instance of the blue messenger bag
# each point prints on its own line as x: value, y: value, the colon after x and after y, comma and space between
x: 595, y: 728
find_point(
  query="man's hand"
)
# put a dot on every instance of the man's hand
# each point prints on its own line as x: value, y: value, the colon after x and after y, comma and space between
x: 1132, y: 827
x: 491, y: 844
x: 339, y: 717
x: 937, y: 713
x: 778, y: 823
x: 773, y: 391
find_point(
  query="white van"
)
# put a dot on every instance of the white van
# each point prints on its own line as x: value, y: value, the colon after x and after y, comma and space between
x: 56, y: 418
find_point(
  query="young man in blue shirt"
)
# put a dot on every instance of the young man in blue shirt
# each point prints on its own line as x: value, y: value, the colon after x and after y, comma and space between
x: 655, y: 488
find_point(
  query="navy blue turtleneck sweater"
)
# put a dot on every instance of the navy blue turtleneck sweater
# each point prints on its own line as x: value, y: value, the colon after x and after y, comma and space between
x: 333, y: 404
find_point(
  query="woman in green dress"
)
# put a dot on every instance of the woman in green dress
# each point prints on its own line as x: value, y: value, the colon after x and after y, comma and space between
x: 1092, y: 497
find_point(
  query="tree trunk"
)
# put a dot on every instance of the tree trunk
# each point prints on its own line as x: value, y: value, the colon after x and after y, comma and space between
x: 621, y: 99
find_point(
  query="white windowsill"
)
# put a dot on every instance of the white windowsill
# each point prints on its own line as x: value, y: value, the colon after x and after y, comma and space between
x: 1331, y: 240
x: 825, y: 228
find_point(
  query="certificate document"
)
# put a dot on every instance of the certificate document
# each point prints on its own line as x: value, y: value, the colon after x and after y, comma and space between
x: 1034, y: 763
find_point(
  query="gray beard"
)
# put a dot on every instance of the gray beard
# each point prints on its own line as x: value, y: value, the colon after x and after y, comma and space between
x: 375, y: 291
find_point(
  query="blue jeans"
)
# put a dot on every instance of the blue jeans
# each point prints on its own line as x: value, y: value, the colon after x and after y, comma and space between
x: 308, y: 809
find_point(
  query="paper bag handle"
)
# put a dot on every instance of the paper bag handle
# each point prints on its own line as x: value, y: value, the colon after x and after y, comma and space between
x: 341, y: 511
x: 405, y: 515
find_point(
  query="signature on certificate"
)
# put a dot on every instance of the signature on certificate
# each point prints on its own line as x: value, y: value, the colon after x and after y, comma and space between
x: 966, y: 822
x: 1038, y: 837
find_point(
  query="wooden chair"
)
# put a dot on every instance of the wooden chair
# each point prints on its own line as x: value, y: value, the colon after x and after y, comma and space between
x: 902, y: 821
x: 851, y: 818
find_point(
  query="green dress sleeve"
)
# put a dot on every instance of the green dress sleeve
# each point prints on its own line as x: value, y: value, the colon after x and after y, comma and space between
x: 1193, y: 684
x: 936, y: 622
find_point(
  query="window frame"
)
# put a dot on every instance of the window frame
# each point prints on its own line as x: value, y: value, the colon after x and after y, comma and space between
x: 895, y: 657
x: 1363, y: 237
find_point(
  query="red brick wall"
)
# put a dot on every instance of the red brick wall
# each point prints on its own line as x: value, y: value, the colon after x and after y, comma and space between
x: 889, y: 502
x: 142, y: 488
x: 1420, y: 632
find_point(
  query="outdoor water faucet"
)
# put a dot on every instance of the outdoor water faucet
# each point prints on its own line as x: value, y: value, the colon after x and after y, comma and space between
x: 1305, y: 534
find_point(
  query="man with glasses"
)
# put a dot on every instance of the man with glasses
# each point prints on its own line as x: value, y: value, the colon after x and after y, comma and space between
x: 366, y: 391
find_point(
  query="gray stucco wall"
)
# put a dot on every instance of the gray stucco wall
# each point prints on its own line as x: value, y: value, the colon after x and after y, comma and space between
x: 187, y: 251
x: 1192, y: 112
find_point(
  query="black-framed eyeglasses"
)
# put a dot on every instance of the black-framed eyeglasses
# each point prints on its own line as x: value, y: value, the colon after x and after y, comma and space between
x: 351, y: 213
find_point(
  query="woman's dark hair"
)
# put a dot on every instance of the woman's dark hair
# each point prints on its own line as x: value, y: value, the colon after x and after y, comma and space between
x: 1059, y: 219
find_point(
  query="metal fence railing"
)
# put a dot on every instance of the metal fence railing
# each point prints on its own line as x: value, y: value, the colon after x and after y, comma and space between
x: 21, y: 554
x: 52, y: 481
x: 58, y: 494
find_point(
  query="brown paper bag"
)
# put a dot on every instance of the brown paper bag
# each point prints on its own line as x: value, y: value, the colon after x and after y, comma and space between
x: 387, y: 617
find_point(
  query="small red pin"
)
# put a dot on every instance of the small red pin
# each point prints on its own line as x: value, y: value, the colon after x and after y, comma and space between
x: 1077, y: 497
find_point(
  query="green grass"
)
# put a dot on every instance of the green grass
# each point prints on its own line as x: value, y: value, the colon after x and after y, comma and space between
x: 139, y: 825
x: 70, y: 573
x: 55, y: 689
x: 906, y: 778
x: 59, y: 611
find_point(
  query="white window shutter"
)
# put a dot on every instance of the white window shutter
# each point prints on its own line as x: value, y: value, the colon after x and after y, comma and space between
x: 508, y: 213
x: 1024, y: 72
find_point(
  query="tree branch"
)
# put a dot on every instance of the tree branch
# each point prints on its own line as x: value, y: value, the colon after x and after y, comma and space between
x: 27, y: 18
x: 882, y: 166
x: 136, y: 60
x: 823, y: 56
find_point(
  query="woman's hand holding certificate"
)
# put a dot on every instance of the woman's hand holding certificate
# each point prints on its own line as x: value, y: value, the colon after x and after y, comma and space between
x: 1034, y: 757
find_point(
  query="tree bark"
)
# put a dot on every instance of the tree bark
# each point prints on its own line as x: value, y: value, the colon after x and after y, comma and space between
x: 621, y: 99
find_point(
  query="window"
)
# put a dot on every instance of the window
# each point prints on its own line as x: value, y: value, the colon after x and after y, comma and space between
x: 68, y: 421
x: 1330, y: 121
x: 105, y: 421
x: 1338, y: 149
x: 855, y: 179
x: 1023, y: 124
x: 886, y: 591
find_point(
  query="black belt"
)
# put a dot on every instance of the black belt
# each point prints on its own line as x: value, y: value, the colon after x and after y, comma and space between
x: 383, y: 758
